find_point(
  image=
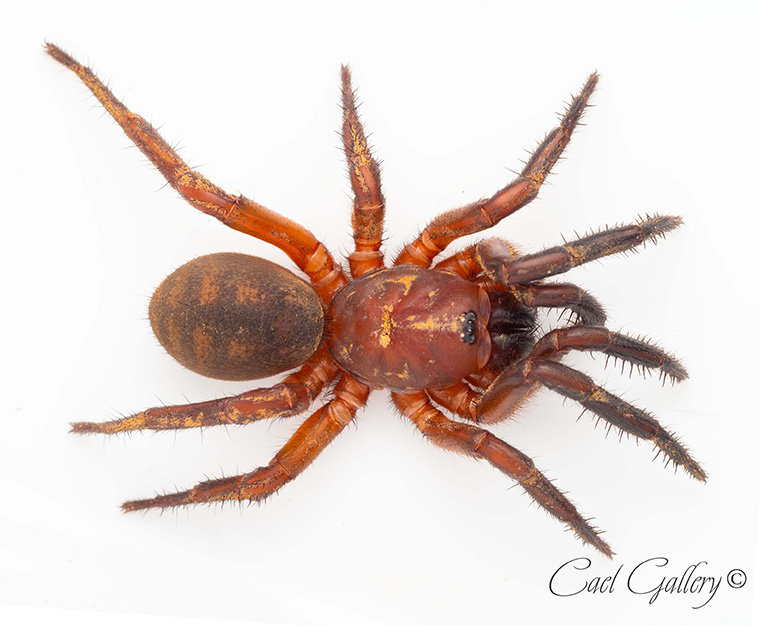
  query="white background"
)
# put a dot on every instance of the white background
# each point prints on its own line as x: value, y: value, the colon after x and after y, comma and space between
x: 384, y: 528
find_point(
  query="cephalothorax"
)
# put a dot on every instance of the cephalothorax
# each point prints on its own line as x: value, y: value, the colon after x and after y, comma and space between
x: 458, y: 335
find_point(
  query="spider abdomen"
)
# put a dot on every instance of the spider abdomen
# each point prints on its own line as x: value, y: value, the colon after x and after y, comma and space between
x: 407, y: 327
x: 236, y: 317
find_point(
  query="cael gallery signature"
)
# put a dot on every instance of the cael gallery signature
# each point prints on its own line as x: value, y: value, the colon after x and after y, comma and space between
x: 644, y: 579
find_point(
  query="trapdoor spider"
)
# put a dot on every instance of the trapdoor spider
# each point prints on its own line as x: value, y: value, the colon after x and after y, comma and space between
x: 457, y: 336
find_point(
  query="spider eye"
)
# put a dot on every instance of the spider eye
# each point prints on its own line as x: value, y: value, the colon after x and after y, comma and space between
x: 467, y: 330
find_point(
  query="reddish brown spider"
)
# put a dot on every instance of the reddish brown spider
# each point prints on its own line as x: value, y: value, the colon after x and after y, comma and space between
x: 459, y: 334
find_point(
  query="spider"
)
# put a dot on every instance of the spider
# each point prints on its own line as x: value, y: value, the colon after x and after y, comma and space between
x: 458, y: 336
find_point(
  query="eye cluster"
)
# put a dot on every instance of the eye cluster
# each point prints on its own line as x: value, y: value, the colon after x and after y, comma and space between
x: 469, y: 320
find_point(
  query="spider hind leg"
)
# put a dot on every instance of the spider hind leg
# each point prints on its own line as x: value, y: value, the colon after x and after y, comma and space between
x: 290, y: 397
x: 309, y: 440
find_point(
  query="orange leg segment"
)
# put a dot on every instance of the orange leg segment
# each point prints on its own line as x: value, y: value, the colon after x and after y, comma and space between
x: 478, y: 443
x: 369, y: 204
x: 302, y: 448
x: 237, y: 212
x: 484, y: 214
x: 290, y: 397
x: 464, y: 401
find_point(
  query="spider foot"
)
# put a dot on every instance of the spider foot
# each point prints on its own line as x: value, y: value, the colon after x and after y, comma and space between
x: 81, y: 428
x: 679, y: 456
x: 658, y: 225
x: 549, y: 498
x: 166, y: 501
x: 255, y: 486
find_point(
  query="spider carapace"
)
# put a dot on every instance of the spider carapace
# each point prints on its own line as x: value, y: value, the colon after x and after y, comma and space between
x: 457, y: 335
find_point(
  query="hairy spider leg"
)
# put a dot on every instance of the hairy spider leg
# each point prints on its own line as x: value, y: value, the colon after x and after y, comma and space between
x: 499, y: 261
x: 506, y: 392
x: 617, y: 345
x: 364, y: 172
x: 462, y: 400
x: 481, y: 444
x: 614, y: 410
x: 509, y: 389
x: 515, y: 383
x: 237, y: 212
x: 293, y: 395
x: 585, y: 307
x: 478, y: 216
x: 313, y: 436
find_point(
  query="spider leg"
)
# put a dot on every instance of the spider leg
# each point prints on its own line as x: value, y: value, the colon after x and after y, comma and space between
x: 586, y: 308
x: 500, y: 263
x: 508, y: 391
x: 481, y: 444
x: 237, y: 212
x: 463, y: 400
x: 518, y: 381
x: 617, y: 345
x: 364, y: 172
x: 484, y: 214
x: 290, y: 397
x: 616, y: 411
x: 301, y: 449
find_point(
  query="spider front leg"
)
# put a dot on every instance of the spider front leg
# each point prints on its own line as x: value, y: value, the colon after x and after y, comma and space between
x: 501, y: 263
x: 585, y: 307
x: 614, y: 410
x: 237, y: 212
x: 301, y: 449
x: 507, y: 391
x: 369, y: 204
x: 478, y: 443
x: 516, y: 383
x: 290, y: 397
x: 484, y: 214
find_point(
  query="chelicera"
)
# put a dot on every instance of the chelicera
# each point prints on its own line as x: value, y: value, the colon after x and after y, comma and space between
x: 455, y: 335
